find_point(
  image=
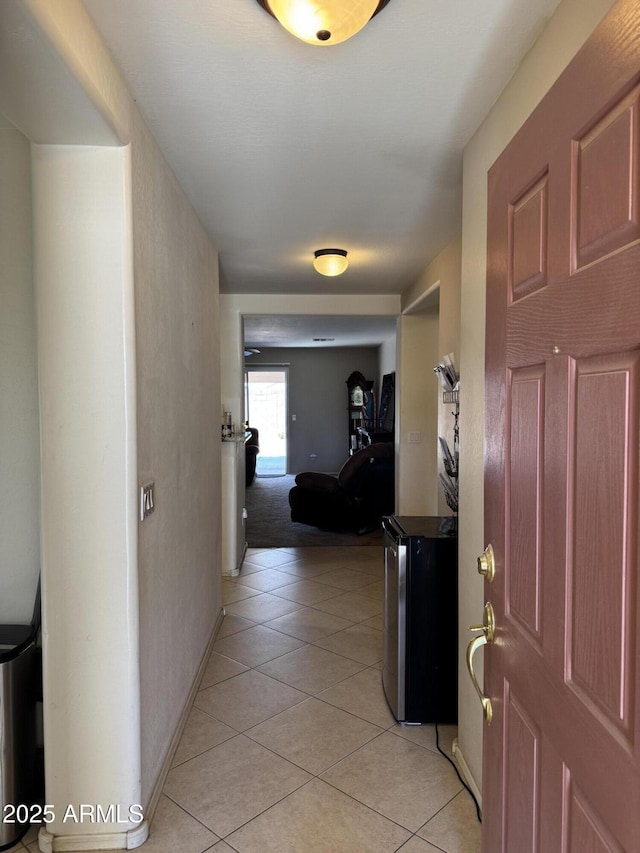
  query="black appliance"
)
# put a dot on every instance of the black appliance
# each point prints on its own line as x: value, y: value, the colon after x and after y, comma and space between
x: 420, y: 659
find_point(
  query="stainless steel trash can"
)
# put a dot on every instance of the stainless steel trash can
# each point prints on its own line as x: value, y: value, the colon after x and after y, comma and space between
x: 18, y: 692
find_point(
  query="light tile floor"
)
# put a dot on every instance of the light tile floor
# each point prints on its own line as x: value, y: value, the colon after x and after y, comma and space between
x: 290, y: 746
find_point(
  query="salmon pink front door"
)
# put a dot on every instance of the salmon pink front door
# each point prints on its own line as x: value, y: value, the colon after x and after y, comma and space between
x: 562, y: 753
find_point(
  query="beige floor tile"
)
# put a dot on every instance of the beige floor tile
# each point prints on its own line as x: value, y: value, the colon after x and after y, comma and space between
x: 297, y: 550
x: 304, y: 551
x: 456, y: 828
x: 249, y: 568
x: 201, y: 733
x: 358, y: 643
x: 332, y: 555
x: 398, y: 779
x: 309, y: 624
x: 232, y: 591
x: 232, y: 624
x: 247, y: 699
x: 219, y: 668
x: 266, y: 580
x: 232, y: 783
x: 318, y: 819
x: 366, y: 553
x: 425, y: 735
x: 413, y: 845
x: 269, y: 558
x: 256, y: 645
x: 375, y: 622
x: 237, y: 786
x: 173, y: 829
x: 306, y: 569
x: 362, y: 695
x: 375, y: 590
x: 351, y: 606
x: 313, y: 735
x: 311, y: 669
x: 306, y: 591
x: 262, y: 608
x: 346, y: 579
x: 31, y: 835
x: 374, y: 569
x: 368, y: 560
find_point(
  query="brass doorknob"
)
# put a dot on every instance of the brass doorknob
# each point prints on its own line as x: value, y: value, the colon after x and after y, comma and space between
x: 487, y: 635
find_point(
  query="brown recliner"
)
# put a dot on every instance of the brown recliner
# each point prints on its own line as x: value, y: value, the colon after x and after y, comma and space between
x: 355, y: 500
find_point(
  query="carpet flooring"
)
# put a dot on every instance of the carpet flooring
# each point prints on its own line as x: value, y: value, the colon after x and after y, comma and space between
x: 269, y: 522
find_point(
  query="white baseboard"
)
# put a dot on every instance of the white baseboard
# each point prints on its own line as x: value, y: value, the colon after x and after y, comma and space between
x: 233, y: 573
x: 130, y: 840
x: 465, y: 772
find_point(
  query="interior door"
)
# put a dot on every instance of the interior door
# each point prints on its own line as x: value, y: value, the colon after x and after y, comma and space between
x: 562, y: 754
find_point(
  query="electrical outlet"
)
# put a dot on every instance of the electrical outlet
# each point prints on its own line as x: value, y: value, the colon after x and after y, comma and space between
x: 147, y: 500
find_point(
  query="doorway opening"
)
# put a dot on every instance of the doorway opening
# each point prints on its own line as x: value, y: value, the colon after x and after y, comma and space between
x: 266, y: 410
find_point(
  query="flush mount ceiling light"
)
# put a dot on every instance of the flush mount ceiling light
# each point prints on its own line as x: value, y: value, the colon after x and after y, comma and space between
x: 330, y: 261
x: 323, y: 22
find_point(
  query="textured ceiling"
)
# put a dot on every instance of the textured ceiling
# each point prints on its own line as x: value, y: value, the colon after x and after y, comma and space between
x: 316, y: 331
x: 284, y: 148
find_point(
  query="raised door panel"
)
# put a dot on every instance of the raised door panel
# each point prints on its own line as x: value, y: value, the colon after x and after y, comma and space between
x: 606, y: 175
x: 601, y: 625
x: 525, y: 455
x: 584, y: 830
x: 528, y: 231
x: 522, y: 777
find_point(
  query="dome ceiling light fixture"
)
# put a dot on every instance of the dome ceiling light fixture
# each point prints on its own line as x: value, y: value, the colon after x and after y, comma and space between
x: 330, y: 261
x: 323, y: 22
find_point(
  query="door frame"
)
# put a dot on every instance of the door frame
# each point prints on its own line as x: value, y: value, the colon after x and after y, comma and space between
x: 265, y: 367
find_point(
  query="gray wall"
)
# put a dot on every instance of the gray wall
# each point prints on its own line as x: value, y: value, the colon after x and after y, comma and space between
x: 318, y: 398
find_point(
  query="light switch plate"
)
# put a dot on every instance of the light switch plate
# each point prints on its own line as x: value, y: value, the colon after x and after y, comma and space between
x: 147, y: 500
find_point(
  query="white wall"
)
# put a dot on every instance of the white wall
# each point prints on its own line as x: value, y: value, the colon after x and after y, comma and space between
x: 417, y: 415
x: 19, y: 417
x: 570, y: 26
x: 440, y: 284
x: 82, y: 247
x: 103, y: 262
x: 177, y: 353
x: 387, y: 357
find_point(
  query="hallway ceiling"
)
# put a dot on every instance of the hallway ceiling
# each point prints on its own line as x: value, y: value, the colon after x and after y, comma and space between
x: 284, y: 147
x: 293, y: 330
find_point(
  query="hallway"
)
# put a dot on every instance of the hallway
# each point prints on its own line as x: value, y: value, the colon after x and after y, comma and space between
x: 290, y: 746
